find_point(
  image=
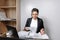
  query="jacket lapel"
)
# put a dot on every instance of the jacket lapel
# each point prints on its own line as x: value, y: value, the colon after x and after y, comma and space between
x: 37, y: 24
x: 30, y: 21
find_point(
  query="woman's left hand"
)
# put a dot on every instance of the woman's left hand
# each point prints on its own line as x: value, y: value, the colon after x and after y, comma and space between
x: 42, y: 31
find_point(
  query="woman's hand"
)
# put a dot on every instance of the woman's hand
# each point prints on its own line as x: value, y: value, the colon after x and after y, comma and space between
x: 26, y: 29
x: 42, y: 31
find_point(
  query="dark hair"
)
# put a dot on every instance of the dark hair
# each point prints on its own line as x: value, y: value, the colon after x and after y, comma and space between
x: 35, y: 9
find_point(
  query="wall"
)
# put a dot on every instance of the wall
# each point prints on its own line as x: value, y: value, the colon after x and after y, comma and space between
x: 49, y: 12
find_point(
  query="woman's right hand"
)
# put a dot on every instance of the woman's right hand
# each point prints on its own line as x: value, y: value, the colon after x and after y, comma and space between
x: 26, y: 29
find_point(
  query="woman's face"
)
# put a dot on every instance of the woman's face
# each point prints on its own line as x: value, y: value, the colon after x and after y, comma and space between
x: 34, y: 14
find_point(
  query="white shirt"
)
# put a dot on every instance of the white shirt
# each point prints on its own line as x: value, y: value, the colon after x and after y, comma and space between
x: 33, y: 25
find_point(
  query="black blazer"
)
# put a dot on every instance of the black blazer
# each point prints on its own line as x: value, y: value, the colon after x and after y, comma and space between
x: 40, y: 24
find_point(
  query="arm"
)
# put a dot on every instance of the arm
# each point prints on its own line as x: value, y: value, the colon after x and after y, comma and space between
x: 26, y: 25
x: 42, y: 28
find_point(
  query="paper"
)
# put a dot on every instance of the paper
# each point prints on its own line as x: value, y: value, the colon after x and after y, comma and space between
x: 24, y: 34
x: 2, y: 14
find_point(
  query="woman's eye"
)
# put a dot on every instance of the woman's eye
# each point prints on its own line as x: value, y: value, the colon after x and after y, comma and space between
x: 34, y: 14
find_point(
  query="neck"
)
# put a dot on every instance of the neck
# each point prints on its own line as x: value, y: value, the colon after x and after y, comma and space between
x: 34, y: 18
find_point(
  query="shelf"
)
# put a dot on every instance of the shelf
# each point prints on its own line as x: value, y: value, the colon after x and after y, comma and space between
x: 7, y: 6
x: 8, y: 20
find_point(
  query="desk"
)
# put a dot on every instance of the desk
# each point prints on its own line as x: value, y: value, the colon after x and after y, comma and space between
x: 6, y: 38
x: 33, y: 39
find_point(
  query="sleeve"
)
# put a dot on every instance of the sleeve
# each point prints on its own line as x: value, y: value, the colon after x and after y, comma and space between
x: 27, y: 23
x: 42, y: 25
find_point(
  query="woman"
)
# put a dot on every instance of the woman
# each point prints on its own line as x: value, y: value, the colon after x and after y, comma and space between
x: 35, y: 22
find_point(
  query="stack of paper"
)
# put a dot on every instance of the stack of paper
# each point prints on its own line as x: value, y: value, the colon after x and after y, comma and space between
x: 24, y: 34
x: 2, y: 14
